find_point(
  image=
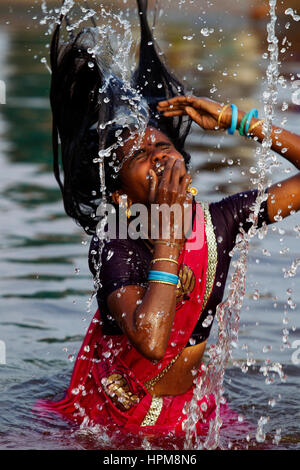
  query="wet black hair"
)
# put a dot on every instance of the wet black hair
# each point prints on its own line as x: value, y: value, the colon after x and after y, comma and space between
x: 85, y: 95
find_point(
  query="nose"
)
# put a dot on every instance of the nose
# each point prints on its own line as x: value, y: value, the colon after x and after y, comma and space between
x: 158, y: 156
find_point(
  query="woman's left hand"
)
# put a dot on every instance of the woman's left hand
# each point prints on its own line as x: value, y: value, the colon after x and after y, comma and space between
x: 203, y: 111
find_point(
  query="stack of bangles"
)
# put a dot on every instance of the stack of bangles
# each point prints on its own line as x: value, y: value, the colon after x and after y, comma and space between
x: 163, y: 277
x: 245, y: 130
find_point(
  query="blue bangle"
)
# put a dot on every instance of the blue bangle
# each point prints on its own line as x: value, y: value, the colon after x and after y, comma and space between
x: 162, y: 276
x: 234, y: 119
x: 251, y: 114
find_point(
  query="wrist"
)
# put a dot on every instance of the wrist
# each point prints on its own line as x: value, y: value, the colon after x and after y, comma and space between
x: 241, y: 115
x: 167, y: 248
x: 226, y: 118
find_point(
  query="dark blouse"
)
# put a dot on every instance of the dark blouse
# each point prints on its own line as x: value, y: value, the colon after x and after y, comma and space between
x: 127, y: 262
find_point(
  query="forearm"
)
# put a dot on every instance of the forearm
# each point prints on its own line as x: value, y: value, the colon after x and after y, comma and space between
x: 153, y: 318
x: 284, y: 142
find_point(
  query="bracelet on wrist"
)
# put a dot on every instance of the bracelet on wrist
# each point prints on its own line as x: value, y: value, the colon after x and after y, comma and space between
x: 164, y: 259
x: 253, y: 113
x: 221, y: 114
x: 258, y: 123
x: 162, y: 276
x: 234, y: 119
x: 246, y: 121
x: 162, y: 282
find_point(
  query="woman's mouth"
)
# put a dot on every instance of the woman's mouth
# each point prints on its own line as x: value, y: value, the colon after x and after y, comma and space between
x: 159, y: 170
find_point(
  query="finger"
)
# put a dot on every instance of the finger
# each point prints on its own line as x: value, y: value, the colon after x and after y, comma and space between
x: 176, y: 105
x: 195, y: 115
x: 165, y: 179
x: 153, y: 180
x: 185, y: 181
x: 181, y: 100
x: 179, y: 112
x: 176, y: 174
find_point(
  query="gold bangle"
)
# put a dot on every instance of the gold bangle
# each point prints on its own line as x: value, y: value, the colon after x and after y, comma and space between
x: 221, y: 114
x: 164, y: 259
x: 254, y: 126
x: 164, y: 282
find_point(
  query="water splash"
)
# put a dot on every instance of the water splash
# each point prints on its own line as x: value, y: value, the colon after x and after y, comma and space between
x: 131, y: 114
x: 292, y: 13
x: 228, y: 312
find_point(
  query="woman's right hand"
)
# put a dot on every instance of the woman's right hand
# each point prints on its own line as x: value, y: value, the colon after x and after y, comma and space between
x: 203, y: 111
x: 171, y: 189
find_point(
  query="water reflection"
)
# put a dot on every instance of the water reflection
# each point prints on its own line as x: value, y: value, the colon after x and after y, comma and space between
x: 44, y: 277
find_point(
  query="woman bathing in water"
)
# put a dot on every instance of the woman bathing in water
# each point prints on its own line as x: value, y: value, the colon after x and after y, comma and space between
x: 157, y: 297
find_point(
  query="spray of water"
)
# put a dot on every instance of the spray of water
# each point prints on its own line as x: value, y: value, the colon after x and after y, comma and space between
x: 228, y: 312
x: 136, y: 122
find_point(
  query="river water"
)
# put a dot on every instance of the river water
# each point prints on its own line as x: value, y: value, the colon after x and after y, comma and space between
x: 44, y: 277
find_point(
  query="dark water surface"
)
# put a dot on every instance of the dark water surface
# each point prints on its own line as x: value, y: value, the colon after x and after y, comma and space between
x: 44, y: 277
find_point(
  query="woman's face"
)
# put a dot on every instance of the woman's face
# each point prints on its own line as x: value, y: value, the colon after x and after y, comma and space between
x: 152, y: 153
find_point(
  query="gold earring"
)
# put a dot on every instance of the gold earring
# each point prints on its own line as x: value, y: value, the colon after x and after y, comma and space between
x: 128, y: 211
x: 123, y: 201
x: 191, y: 190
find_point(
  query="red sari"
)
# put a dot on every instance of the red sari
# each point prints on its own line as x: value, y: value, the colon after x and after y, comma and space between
x: 109, y: 381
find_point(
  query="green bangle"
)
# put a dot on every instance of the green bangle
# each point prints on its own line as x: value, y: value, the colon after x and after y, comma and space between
x: 243, y: 121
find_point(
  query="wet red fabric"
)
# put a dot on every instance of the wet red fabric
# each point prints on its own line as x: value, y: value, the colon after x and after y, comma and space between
x: 104, y: 358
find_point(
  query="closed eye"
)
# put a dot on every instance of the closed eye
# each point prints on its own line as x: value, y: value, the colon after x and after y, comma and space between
x: 162, y: 145
x: 139, y: 153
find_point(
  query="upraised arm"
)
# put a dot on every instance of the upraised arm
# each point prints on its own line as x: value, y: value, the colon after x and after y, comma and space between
x: 284, y: 196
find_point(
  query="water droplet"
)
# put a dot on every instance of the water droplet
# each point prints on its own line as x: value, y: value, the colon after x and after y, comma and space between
x: 266, y: 252
x: 255, y: 295
x: 206, y: 31
x: 208, y: 320
x: 290, y: 11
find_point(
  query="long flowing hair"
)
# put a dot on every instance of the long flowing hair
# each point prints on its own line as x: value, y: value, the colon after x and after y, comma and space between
x: 81, y: 112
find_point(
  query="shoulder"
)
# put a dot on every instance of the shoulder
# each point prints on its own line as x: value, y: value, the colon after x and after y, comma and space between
x: 119, y: 255
x: 235, y: 210
x: 235, y: 202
